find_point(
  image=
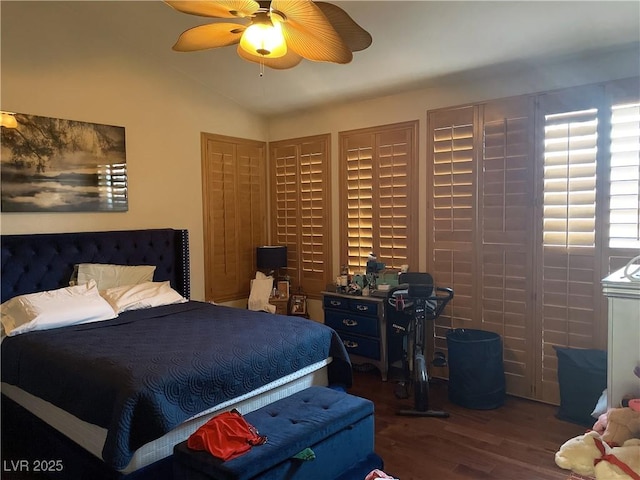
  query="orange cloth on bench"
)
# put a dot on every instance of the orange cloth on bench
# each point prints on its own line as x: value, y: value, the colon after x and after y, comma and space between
x: 226, y: 436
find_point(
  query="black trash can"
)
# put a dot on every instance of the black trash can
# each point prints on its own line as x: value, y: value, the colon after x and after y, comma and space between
x: 476, y: 370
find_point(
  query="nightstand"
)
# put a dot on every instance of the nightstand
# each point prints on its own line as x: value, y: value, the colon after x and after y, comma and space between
x: 281, y: 304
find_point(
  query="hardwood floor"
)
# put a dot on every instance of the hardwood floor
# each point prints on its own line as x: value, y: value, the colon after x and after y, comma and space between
x: 515, y: 442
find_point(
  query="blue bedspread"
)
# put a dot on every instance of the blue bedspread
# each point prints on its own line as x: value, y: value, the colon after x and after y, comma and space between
x: 142, y: 374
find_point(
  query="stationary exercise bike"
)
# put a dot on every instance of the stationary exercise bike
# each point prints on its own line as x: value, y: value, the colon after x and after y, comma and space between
x: 419, y: 301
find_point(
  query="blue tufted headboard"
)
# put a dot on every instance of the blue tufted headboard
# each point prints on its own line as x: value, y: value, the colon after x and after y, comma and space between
x: 38, y: 262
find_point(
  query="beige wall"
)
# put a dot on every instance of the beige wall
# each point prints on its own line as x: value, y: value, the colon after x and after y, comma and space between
x: 54, y: 67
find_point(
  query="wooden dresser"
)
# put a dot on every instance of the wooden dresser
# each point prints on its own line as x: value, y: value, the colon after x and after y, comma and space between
x: 362, y: 326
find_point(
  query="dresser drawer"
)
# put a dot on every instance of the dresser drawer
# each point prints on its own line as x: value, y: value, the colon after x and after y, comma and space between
x: 362, y: 346
x: 351, y: 323
x: 364, y: 307
x: 336, y: 302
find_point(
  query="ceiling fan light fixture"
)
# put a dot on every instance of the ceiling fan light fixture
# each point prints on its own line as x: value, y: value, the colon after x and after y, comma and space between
x: 274, y: 33
x: 264, y: 38
x: 8, y: 120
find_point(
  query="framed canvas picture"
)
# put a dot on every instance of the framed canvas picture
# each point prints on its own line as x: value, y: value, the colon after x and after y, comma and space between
x: 298, y: 305
x: 56, y: 165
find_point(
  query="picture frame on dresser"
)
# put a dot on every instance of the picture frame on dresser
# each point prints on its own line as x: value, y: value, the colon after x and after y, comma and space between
x: 298, y: 305
x: 283, y: 289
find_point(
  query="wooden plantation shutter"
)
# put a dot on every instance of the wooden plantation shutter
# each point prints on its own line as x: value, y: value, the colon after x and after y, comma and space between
x: 506, y: 188
x: 570, y: 146
x: 624, y: 174
x: 622, y: 188
x: 316, y: 234
x: 379, y: 196
x: 357, y: 151
x: 481, y: 225
x: 452, y: 213
x: 534, y: 200
x: 569, y: 299
x: 590, y: 139
x: 251, y: 208
x: 396, y: 156
x: 234, y: 198
x: 300, y: 192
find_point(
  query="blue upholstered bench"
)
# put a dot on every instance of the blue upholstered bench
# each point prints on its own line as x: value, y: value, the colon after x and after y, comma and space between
x: 338, y: 427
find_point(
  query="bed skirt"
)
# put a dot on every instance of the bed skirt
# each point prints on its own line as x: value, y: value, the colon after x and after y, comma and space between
x: 23, y: 412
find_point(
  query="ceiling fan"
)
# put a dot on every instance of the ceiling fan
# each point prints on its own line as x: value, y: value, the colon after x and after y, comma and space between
x: 277, y: 33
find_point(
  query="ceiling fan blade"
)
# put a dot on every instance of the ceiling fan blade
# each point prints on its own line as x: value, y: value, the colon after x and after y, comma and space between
x: 356, y: 37
x: 224, y: 9
x: 212, y: 35
x: 308, y: 32
x: 289, y: 60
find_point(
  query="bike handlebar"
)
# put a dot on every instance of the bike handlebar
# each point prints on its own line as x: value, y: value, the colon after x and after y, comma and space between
x: 440, y: 295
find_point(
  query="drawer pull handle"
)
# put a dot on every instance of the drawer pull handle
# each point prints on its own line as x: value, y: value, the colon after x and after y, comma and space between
x: 363, y: 308
x: 350, y: 323
x: 350, y: 344
x: 335, y: 303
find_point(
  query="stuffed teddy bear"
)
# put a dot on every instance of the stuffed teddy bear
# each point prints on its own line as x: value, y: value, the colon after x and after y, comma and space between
x: 619, y: 463
x: 618, y: 425
x: 579, y: 453
x: 588, y: 455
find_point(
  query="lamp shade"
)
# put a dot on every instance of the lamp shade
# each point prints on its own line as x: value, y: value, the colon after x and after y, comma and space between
x: 271, y: 257
x: 264, y: 38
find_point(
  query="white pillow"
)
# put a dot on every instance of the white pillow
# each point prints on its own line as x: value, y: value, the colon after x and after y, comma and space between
x: 54, y: 308
x: 109, y: 276
x: 143, y: 295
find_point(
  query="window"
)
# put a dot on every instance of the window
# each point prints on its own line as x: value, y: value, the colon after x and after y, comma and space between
x: 590, y: 211
x: 534, y: 200
x: 570, y: 150
x: 624, y: 175
x: 592, y: 176
x: 299, y: 200
x: 378, y: 196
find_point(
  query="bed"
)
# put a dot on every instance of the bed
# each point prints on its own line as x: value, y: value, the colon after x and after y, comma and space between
x: 112, y: 397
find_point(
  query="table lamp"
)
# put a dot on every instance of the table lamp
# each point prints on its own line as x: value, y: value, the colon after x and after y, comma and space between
x: 270, y: 258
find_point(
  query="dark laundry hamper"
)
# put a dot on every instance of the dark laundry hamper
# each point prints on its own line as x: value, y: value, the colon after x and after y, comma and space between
x: 476, y: 369
x: 582, y: 376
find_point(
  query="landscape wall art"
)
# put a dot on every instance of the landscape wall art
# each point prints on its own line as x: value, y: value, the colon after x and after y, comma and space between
x: 56, y: 165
